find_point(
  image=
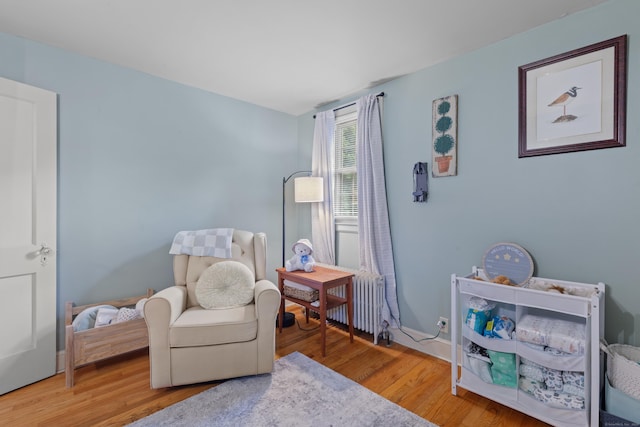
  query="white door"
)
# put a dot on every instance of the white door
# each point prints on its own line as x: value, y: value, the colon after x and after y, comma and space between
x: 28, y: 140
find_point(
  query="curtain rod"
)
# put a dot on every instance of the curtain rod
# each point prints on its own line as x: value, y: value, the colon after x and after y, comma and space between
x: 350, y: 104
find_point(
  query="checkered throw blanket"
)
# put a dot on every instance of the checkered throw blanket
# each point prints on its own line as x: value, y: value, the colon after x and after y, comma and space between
x: 214, y: 242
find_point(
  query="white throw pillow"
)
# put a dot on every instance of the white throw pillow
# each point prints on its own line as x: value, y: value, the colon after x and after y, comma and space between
x: 225, y: 284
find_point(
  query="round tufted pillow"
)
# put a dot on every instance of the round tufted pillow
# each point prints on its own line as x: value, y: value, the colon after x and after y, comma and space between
x: 225, y: 284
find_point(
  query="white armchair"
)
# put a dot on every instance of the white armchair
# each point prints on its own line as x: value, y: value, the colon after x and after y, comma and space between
x: 189, y: 344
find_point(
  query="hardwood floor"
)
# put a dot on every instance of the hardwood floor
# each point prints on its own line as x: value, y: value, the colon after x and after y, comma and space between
x: 116, y: 392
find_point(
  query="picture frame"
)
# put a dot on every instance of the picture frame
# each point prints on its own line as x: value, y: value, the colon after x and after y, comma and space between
x: 444, y: 136
x: 574, y: 101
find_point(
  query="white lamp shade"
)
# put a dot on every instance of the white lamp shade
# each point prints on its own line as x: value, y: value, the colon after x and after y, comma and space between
x: 308, y: 189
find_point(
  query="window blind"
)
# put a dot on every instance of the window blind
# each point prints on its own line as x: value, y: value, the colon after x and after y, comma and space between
x: 345, y: 175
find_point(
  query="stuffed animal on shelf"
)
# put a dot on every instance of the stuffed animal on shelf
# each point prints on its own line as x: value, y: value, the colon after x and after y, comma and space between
x: 503, y: 280
x: 302, y: 258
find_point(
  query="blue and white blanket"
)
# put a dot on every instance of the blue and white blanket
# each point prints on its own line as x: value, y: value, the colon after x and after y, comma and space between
x: 215, y: 242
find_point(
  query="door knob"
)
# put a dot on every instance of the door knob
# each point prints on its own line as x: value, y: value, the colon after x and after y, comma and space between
x: 44, y: 252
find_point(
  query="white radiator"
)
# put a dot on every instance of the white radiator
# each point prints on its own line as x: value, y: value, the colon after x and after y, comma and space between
x: 368, y: 297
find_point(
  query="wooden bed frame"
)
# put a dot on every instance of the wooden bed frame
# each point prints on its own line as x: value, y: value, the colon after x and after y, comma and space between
x: 92, y: 345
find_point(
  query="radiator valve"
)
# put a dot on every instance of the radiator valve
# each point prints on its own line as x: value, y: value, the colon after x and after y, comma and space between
x: 385, y: 335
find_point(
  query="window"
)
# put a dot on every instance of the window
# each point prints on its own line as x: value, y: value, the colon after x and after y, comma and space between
x: 345, y: 177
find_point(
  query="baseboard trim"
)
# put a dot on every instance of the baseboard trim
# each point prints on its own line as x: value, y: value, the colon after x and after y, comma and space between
x: 436, y: 347
x: 60, y: 359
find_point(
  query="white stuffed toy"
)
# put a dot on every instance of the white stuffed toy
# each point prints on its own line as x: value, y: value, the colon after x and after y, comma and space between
x: 302, y: 259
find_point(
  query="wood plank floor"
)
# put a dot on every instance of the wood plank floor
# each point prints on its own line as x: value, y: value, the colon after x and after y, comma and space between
x: 116, y: 392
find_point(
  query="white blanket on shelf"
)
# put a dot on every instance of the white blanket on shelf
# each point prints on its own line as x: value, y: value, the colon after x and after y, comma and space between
x: 214, y: 242
x: 564, y: 335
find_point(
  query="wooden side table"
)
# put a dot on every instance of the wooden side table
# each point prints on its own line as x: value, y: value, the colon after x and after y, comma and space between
x: 321, y: 279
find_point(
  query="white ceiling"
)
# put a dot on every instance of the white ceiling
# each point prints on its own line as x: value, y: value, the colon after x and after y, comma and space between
x: 287, y: 55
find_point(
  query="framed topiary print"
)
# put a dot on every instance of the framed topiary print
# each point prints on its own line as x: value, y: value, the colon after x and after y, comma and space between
x: 444, y: 147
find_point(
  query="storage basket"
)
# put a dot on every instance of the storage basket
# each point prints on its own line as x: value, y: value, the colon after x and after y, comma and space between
x: 621, y: 405
x: 300, y: 292
x: 623, y: 367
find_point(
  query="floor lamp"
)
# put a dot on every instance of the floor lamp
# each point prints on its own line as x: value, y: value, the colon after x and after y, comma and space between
x: 306, y: 190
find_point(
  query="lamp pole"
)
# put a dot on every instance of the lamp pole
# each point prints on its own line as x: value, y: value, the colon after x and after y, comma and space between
x: 284, y: 182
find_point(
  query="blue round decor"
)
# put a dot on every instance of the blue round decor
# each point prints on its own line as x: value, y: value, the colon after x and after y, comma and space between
x: 508, y: 259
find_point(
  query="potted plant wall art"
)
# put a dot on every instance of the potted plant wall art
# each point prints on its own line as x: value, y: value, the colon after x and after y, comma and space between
x: 445, y: 138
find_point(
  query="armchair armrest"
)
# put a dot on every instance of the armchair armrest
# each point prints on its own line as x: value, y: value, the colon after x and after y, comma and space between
x: 267, y: 299
x: 166, y: 306
x: 267, y: 302
x: 160, y: 311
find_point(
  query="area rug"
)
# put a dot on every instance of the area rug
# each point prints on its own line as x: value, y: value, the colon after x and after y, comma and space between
x: 300, y: 392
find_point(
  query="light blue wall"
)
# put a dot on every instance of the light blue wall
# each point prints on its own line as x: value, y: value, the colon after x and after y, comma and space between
x: 141, y: 158
x: 576, y: 213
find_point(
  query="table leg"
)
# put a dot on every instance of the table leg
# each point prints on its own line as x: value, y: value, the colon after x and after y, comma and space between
x: 323, y: 320
x: 350, y: 306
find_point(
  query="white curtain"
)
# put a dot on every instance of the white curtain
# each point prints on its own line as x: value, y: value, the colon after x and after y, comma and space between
x: 322, y: 225
x: 376, y: 253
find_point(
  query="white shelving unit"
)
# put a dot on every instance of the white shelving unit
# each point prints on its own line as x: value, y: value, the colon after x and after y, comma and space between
x: 516, y: 302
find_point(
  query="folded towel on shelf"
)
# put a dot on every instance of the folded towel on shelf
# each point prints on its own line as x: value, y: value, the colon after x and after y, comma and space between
x: 573, y: 389
x: 526, y: 361
x: 573, y: 378
x: 530, y: 385
x: 503, y: 368
x: 213, y: 242
x: 559, y: 399
x: 481, y: 368
x: 531, y: 372
x: 552, y: 378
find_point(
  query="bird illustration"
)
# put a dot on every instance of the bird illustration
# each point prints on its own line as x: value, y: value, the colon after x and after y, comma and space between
x: 565, y: 98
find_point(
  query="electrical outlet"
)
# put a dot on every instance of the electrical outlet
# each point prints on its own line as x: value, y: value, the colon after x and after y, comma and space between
x: 443, y: 324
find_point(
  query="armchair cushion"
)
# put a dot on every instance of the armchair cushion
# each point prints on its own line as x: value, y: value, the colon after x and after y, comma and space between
x: 199, y: 327
x: 226, y: 284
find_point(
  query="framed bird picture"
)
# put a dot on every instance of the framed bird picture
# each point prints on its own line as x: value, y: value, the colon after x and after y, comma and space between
x: 574, y: 101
